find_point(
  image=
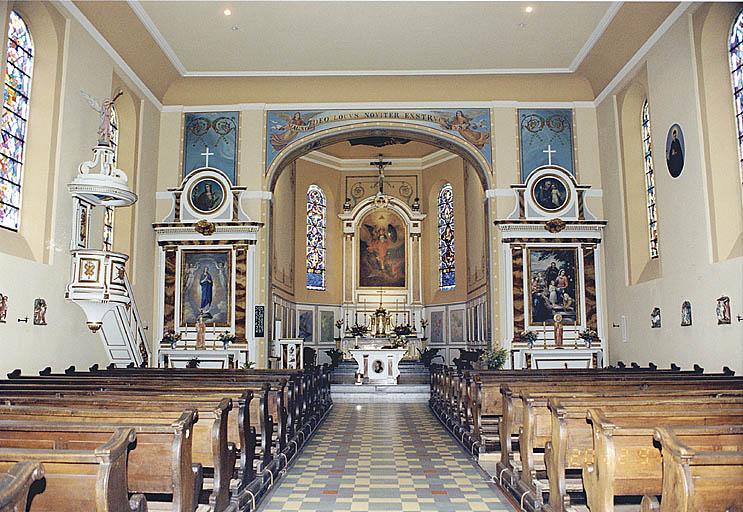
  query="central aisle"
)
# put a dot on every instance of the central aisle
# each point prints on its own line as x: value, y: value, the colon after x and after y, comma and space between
x: 386, y: 457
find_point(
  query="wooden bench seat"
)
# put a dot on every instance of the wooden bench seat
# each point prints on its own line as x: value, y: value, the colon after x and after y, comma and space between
x: 626, y: 461
x: 702, y: 470
x: 15, y: 485
x: 160, y: 463
x: 83, y: 479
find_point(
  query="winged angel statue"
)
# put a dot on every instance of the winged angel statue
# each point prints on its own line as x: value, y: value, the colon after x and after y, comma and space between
x: 106, y: 112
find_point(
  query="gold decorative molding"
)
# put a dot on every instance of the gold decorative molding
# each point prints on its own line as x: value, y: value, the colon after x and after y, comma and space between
x: 205, y: 227
x: 554, y: 225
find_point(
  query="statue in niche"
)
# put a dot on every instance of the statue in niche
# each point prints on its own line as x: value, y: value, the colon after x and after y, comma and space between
x: 558, y: 329
x: 200, y: 334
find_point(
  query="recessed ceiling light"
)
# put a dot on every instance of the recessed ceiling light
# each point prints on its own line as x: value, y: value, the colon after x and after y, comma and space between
x: 528, y: 9
x: 227, y: 12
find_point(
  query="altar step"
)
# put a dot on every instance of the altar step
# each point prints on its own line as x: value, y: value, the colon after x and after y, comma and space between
x: 411, y: 372
x: 370, y: 393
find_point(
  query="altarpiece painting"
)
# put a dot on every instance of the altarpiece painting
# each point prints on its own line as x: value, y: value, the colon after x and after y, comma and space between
x: 382, y: 239
x: 553, y: 285
x: 206, y: 281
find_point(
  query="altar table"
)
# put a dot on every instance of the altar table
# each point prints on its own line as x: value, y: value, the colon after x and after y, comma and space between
x: 552, y: 358
x: 379, y: 366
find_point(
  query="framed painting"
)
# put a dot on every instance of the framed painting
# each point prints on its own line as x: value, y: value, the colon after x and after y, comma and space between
x: 210, y: 140
x: 382, y: 241
x: 551, y: 193
x: 327, y: 323
x: 437, y: 326
x: 456, y: 325
x: 306, y: 325
x: 207, y: 195
x: 675, y: 150
x: 206, y: 287
x: 554, y: 285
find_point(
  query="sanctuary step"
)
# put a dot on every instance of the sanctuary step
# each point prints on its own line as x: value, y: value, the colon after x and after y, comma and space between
x: 370, y: 393
x: 411, y: 372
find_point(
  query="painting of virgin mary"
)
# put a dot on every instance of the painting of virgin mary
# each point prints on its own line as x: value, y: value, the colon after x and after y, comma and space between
x: 206, y: 287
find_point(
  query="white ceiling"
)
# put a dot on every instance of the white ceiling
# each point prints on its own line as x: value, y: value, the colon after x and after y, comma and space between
x: 361, y: 38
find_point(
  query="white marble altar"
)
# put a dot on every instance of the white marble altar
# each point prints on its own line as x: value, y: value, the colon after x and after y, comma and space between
x: 379, y: 366
x: 546, y: 359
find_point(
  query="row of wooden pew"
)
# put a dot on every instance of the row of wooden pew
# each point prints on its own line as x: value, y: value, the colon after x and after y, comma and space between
x: 153, y: 439
x: 603, y: 440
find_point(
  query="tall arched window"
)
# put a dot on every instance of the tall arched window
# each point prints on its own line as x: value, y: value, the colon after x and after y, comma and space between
x: 18, y: 70
x: 647, y: 147
x: 115, y: 132
x: 316, y: 212
x: 735, y: 44
x: 447, y: 272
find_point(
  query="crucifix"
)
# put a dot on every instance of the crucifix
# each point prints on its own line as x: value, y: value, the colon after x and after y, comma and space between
x: 207, y: 154
x: 381, y: 165
x: 549, y: 152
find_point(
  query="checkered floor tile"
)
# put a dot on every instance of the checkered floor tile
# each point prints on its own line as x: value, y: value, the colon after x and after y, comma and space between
x: 385, y: 457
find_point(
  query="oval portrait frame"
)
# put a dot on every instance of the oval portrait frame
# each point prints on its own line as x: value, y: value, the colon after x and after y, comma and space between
x: 561, y: 181
x: 204, y: 181
x: 672, y: 170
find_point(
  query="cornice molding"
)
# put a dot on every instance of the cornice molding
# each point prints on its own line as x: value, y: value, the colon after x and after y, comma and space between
x: 362, y: 164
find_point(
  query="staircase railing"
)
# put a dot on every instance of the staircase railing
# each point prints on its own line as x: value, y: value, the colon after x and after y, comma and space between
x: 137, y: 327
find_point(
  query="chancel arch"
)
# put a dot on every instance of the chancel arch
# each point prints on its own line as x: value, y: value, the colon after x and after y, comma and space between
x: 383, y: 246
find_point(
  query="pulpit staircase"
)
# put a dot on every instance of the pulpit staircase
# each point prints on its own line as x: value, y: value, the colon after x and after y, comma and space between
x: 123, y: 333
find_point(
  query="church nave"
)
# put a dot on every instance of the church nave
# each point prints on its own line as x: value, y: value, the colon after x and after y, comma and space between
x: 386, y: 457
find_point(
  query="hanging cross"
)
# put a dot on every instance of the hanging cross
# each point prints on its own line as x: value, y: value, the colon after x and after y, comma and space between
x: 207, y: 154
x: 549, y: 152
x: 381, y: 164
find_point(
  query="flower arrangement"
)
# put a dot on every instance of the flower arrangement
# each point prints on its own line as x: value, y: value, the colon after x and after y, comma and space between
x: 171, y: 338
x: 588, y: 336
x: 529, y: 337
x: 403, y: 330
x: 339, y: 325
x: 494, y: 358
x: 193, y: 363
x: 226, y: 338
x: 359, y: 330
x: 248, y: 365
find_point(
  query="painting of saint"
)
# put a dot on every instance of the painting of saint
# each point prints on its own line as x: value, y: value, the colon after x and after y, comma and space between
x: 476, y: 134
x: 306, y: 325
x: 553, y: 286
x: 206, y: 284
x: 282, y: 135
x: 437, y: 326
x: 382, y: 239
x: 675, y: 150
x: 550, y: 193
x: 207, y: 195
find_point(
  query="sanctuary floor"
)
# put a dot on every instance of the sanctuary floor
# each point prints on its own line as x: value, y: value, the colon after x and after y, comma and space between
x: 385, y: 457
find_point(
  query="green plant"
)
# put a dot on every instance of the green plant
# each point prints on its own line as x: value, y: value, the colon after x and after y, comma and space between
x: 171, y: 337
x: 427, y: 356
x: 494, y: 358
x: 336, y: 356
x: 226, y: 338
x: 193, y: 363
x: 248, y: 366
x: 528, y: 336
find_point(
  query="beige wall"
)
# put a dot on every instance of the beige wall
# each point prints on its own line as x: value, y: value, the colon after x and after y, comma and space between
x: 71, y: 131
x: 686, y: 268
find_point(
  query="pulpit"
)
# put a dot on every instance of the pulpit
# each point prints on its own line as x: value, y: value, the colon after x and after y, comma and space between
x: 379, y: 365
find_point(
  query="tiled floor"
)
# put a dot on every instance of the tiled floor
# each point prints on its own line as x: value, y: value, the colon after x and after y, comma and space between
x: 386, y: 457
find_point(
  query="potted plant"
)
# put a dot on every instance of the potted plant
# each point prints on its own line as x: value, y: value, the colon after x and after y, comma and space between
x: 427, y: 356
x: 588, y: 336
x: 226, y: 338
x: 171, y: 338
x: 494, y: 358
x: 528, y: 337
x: 336, y: 356
x: 193, y: 363
x: 248, y: 365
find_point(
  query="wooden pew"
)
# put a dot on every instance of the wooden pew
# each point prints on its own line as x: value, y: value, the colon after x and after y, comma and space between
x: 16, y: 484
x: 627, y: 463
x: 702, y: 470
x: 160, y: 462
x: 84, y: 479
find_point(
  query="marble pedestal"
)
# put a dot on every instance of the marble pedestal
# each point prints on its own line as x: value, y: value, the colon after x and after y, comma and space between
x: 379, y: 366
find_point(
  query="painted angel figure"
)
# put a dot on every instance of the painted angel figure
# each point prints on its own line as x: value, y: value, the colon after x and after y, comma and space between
x: 106, y: 112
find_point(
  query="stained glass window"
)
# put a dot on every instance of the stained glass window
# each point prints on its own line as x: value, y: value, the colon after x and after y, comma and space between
x: 736, y: 69
x: 647, y: 147
x: 447, y: 272
x: 316, y: 223
x: 18, y: 70
x: 115, y: 132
